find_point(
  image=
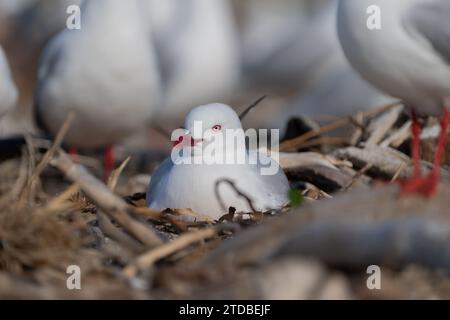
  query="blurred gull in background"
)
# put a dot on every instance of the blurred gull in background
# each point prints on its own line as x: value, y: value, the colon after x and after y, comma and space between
x: 198, y: 54
x: 106, y: 73
x: 408, y: 57
x: 293, y: 43
x: 283, y: 40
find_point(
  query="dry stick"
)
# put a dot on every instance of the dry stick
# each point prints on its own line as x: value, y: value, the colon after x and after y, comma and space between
x: 399, y: 171
x: 158, y: 214
x: 297, y: 142
x: 114, y: 177
x: 54, y: 148
x: 146, y: 260
x: 358, y: 175
x: 106, y: 225
x: 20, y: 183
x: 46, y: 158
x: 115, y: 234
x: 358, y: 121
x: 251, y: 107
x: 116, y: 208
x: 239, y: 192
x: 30, y: 149
x: 28, y: 191
x: 324, y: 141
x: 399, y: 136
x: 56, y: 203
x: 379, y: 127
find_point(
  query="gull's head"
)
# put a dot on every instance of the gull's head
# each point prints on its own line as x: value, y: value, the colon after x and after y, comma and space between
x: 207, y: 123
x: 214, y: 118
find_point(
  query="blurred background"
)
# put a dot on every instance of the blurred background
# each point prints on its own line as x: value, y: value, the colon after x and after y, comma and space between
x: 212, y: 51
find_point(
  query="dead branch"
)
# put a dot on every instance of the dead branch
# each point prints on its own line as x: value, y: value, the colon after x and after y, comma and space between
x: 53, y: 149
x: 397, y: 138
x: 358, y: 175
x: 146, y: 260
x: 111, y: 231
x: 295, y: 143
x: 239, y: 192
x: 385, y: 161
x: 395, y: 243
x: 251, y: 107
x: 114, y: 177
x: 293, y: 160
x: 106, y: 225
x: 358, y: 121
x: 339, y: 226
x: 116, y: 208
x: 380, y: 126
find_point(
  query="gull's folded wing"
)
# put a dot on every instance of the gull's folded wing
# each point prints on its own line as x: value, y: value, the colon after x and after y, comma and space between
x: 431, y: 20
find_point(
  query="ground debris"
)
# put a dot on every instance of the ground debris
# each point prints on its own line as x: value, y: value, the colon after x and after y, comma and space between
x: 319, y: 250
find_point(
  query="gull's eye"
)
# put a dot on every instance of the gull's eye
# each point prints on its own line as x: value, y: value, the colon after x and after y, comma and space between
x: 217, y: 128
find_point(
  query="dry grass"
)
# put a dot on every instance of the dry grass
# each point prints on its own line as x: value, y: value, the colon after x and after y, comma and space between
x: 128, y: 251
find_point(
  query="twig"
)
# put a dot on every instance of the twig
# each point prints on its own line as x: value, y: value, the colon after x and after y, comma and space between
x: 20, y: 183
x: 106, y: 225
x: 379, y: 127
x: 57, y: 203
x: 116, y: 208
x: 114, y: 177
x: 111, y: 231
x: 324, y: 141
x: 239, y: 192
x: 146, y: 260
x: 358, y: 121
x: 399, y: 171
x: 358, y: 175
x: 55, y: 146
x: 399, y: 136
x: 293, y: 144
x: 250, y: 108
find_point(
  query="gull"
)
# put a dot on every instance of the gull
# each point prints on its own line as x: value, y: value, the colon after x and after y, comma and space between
x: 198, y: 53
x: 304, y: 54
x: 407, y: 54
x: 282, y: 41
x: 105, y: 73
x: 192, y: 184
x: 8, y: 90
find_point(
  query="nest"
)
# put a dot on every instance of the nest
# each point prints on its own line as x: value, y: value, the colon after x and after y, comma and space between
x: 339, y: 224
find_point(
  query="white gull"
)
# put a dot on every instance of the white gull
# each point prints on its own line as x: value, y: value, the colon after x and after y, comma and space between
x: 193, y: 186
x: 407, y: 56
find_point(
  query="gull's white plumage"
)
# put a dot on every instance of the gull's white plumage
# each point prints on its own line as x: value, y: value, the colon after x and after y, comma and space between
x: 409, y: 57
x: 304, y: 52
x: 106, y: 73
x: 8, y: 90
x: 193, y: 185
x: 198, y: 53
x: 285, y: 41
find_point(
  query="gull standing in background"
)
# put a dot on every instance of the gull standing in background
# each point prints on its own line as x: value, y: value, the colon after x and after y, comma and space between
x: 198, y: 53
x: 294, y: 44
x: 407, y: 56
x: 193, y: 185
x: 8, y: 90
x: 106, y: 73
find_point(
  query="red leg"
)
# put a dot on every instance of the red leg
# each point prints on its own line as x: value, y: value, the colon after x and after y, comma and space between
x: 109, y: 161
x: 73, y: 152
x: 427, y: 186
